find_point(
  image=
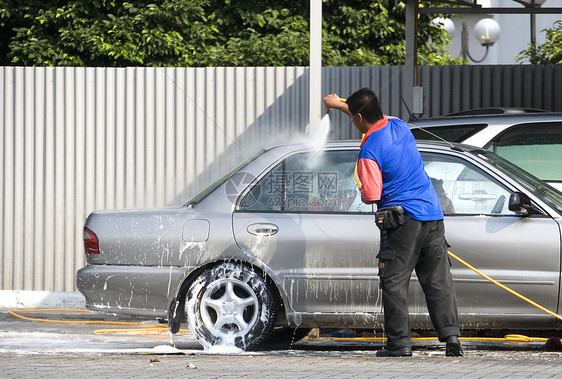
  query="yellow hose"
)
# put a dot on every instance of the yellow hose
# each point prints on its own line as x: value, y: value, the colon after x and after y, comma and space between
x: 154, y: 328
x: 136, y: 331
x: 356, y: 177
x: 160, y: 329
x: 505, y: 287
x: 507, y: 337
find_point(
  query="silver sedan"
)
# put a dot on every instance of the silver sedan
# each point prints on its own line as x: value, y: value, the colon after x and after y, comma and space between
x: 283, y: 244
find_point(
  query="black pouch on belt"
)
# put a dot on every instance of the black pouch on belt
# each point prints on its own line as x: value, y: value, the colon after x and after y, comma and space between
x: 385, y: 256
x: 390, y: 217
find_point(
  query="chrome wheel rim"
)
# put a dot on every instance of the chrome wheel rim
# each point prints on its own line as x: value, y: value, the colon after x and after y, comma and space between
x: 229, y: 307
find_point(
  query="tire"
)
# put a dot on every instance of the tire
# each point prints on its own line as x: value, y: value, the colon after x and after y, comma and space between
x: 284, y: 337
x: 230, y: 305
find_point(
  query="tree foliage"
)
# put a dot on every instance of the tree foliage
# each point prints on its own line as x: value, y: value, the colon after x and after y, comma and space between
x: 209, y: 33
x: 550, y: 52
x: 102, y: 32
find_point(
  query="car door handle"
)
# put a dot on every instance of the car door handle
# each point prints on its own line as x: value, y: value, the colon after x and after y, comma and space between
x: 262, y: 229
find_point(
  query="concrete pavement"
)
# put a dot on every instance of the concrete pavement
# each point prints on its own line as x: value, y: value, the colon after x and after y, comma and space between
x: 34, y: 349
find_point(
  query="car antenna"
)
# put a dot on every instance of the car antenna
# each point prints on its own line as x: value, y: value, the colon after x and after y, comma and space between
x: 451, y: 145
x: 412, y: 117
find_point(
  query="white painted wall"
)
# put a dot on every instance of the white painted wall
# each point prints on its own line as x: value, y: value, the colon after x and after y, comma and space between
x: 515, y: 32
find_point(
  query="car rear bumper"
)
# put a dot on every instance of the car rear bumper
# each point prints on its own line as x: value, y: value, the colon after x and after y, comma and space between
x: 149, y: 289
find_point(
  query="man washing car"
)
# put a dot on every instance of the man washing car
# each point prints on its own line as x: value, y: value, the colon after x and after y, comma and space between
x: 409, y: 215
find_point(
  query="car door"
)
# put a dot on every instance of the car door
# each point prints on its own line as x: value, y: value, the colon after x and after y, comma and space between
x: 521, y: 252
x: 304, y: 219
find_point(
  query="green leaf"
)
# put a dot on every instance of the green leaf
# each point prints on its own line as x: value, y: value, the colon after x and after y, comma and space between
x: 210, y: 33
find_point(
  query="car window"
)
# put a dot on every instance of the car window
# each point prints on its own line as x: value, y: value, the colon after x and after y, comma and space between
x: 203, y: 194
x: 307, y: 182
x: 536, y: 148
x: 534, y: 185
x: 450, y: 133
x: 465, y: 189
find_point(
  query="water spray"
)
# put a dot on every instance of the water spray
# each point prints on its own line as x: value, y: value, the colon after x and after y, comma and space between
x: 320, y: 136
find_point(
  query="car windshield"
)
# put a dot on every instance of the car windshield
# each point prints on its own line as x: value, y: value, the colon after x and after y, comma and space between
x: 203, y: 194
x: 540, y: 189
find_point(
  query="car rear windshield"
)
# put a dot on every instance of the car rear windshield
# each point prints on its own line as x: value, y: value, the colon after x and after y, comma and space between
x: 539, y: 188
x: 203, y: 194
x: 450, y: 133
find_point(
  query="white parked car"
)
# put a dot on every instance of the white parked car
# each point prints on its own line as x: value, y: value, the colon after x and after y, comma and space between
x: 533, y: 141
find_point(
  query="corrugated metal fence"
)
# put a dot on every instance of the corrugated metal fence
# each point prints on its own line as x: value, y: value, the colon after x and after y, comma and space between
x: 74, y: 140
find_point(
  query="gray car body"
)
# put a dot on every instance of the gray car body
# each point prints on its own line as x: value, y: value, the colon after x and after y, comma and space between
x: 323, y: 265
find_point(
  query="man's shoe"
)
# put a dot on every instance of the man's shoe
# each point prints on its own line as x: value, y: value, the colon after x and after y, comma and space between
x: 403, y: 352
x: 453, y: 347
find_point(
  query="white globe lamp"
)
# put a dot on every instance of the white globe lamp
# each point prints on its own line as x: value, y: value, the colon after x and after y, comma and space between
x: 487, y: 31
x: 445, y: 23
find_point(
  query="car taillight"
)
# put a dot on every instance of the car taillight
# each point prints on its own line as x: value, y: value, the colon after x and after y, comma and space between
x: 91, y: 244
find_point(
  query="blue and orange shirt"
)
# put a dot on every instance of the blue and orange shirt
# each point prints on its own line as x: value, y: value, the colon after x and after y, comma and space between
x: 391, y: 171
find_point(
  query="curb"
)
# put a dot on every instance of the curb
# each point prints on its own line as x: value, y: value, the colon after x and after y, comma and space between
x: 41, y: 299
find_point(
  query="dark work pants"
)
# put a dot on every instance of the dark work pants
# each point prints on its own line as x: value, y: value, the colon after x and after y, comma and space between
x: 418, y: 245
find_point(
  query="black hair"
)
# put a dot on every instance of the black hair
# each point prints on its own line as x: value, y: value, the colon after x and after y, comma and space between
x: 366, y: 102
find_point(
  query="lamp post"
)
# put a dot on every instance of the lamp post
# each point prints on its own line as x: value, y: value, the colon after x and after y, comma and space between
x: 486, y: 31
x: 315, y: 71
x: 533, y: 4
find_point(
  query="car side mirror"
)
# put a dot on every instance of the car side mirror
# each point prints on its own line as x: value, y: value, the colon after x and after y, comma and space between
x: 520, y: 203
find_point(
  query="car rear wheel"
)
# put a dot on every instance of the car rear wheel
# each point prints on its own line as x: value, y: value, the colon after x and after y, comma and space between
x: 230, y: 305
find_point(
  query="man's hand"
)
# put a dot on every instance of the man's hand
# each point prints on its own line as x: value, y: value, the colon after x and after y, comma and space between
x: 365, y: 201
x: 333, y: 101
